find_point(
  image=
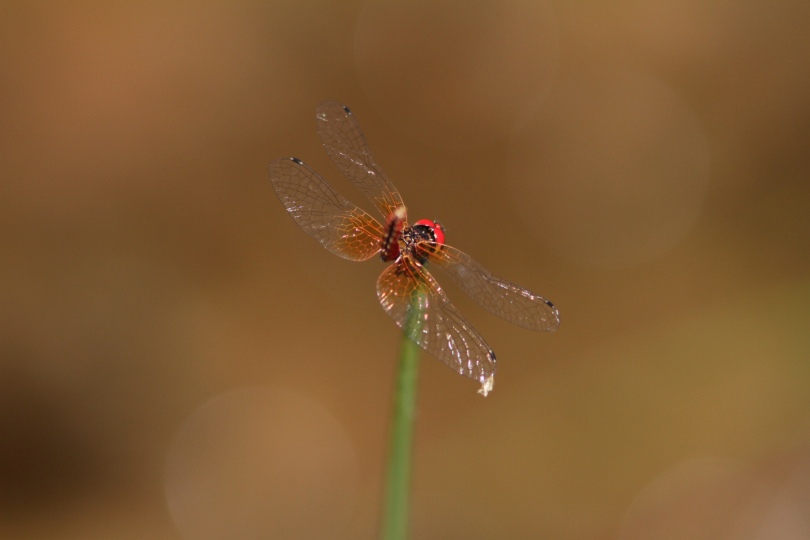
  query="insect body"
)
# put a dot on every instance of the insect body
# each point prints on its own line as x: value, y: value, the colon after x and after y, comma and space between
x: 405, y: 285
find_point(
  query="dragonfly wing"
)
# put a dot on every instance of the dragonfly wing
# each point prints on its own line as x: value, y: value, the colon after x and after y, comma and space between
x: 342, y: 228
x: 346, y: 145
x: 405, y: 290
x: 498, y: 296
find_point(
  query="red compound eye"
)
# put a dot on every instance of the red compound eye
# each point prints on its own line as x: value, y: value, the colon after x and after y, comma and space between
x: 438, y: 230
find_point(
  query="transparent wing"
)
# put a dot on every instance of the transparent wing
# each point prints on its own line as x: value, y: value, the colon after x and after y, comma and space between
x: 342, y: 228
x: 346, y: 145
x: 439, y: 329
x: 498, y: 296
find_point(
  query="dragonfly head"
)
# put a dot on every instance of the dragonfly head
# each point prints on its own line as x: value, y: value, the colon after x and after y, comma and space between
x: 433, y: 230
x: 425, y: 238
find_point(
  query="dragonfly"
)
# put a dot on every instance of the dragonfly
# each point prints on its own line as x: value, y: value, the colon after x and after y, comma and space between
x: 406, y: 289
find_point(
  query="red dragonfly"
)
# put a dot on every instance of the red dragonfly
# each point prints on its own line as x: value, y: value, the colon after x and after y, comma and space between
x: 405, y: 288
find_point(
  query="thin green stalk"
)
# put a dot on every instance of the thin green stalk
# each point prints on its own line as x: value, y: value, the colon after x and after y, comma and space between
x: 398, y: 475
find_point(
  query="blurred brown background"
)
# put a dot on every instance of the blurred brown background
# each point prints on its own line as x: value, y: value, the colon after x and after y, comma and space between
x: 179, y: 360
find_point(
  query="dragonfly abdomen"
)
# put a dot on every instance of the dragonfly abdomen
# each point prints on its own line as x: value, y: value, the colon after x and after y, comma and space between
x: 394, y: 225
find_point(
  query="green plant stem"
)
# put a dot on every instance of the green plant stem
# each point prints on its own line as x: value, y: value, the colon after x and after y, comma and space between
x: 398, y: 475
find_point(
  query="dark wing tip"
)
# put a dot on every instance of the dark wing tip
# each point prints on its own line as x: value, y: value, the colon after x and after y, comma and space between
x: 296, y: 160
x: 345, y: 108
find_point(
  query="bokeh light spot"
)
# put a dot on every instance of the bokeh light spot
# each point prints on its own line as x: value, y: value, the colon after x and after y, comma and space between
x: 261, y: 463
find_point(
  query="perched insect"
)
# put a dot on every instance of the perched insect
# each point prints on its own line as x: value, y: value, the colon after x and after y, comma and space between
x: 405, y: 285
